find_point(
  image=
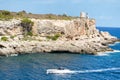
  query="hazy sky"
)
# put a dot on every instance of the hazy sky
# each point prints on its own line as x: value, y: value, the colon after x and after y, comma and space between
x: 106, y: 12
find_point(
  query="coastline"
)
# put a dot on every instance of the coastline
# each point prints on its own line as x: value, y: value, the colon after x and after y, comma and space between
x: 30, y: 35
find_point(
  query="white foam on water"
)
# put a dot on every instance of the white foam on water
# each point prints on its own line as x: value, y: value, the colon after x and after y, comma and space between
x: 114, y: 44
x: 107, y: 53
x: 14, y: 55
x: 102, y: 54
x: 84, y: 71
x: 116, y: 51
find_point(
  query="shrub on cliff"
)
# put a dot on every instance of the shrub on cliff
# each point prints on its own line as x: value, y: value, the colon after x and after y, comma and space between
x: 5, y: 15
x: 27, y: 26
x: 29, y: 34
x: 4, y: 38
x: 4, y: 12
x: 21, y: 13
x: 55, y: 37
x: 12, y: 37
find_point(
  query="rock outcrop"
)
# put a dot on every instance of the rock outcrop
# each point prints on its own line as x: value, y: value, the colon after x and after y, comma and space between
x: 76, y: 36
x: 9, y: 28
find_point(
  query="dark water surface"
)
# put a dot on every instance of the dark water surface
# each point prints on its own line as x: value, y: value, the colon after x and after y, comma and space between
x: 34, y: 66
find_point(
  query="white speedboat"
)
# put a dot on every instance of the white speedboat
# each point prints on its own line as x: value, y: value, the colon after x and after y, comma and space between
x: 59, y: 71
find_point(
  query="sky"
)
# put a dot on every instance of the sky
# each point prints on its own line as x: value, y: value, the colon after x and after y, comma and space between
x: 106, y: 12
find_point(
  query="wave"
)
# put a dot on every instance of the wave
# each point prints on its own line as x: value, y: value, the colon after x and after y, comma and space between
x: 81, y: 71
x: 107, y: 53
x: 13, y: 54
x: 114, y: 44
x: 116, y: 50
x: 102, y: 54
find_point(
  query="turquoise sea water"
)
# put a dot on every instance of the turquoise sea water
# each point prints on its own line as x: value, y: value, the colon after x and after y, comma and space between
x: 34, y: 66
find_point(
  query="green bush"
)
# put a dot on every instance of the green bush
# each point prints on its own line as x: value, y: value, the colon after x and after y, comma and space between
x: 5, y: 15
x: 64, y: 15
x: 4, y: 12
x: 27, y: 38
x: 4, y: 38
x: 48, y: 37
x: 51, y: 16
x: 27, y: 26
x: 20, y: 14
x: 30, y: 34
x: 12, y: 37
x: 55, y: 37
x: 26, y: 21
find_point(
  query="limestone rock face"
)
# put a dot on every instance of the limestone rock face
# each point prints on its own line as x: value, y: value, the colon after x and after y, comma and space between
x: 81, y: 27
x: 70, y: 28
x: 10, y: 27
x: 47, y: 27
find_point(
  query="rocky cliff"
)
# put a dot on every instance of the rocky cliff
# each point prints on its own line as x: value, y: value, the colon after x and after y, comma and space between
x: 76, y: 36
x: 71, y: 28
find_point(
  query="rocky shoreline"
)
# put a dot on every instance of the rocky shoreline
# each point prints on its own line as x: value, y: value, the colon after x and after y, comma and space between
x: 49, y: 36
x: 88, y: 46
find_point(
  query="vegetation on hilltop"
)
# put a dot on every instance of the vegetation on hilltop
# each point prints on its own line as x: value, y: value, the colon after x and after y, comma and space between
x: 7, y: 15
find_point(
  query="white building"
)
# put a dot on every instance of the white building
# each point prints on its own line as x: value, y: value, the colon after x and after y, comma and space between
x: 84, y: 15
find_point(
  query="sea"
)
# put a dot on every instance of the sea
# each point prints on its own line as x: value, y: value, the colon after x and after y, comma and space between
x: 104, y: 66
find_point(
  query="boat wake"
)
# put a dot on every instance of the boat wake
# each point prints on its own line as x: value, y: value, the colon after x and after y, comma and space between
x: 67, y: 71
x: 98, y: 70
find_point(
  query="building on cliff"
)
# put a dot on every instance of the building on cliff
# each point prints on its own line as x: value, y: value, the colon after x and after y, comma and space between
x: 84, y: 15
